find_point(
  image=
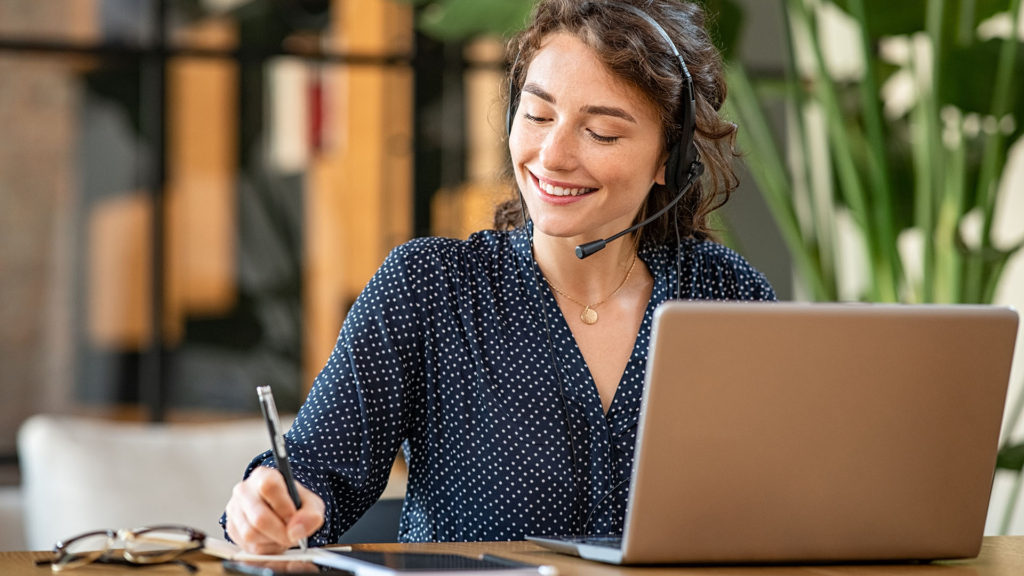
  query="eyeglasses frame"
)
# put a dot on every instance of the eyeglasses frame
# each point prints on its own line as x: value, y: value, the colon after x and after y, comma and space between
x: 196, y: 539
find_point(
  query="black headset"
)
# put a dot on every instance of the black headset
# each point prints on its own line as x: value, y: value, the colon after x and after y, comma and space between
x: 683, y: 165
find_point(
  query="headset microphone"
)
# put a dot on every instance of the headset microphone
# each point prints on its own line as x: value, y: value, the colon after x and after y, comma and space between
x: 590, y: 248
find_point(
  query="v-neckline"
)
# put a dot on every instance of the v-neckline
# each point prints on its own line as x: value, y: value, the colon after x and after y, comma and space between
x: 571, y: 366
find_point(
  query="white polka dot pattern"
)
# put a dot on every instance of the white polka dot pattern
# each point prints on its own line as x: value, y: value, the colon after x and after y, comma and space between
x: 447, y: 355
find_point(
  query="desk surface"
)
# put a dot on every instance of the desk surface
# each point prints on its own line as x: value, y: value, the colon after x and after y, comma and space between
x: 1000, y: 556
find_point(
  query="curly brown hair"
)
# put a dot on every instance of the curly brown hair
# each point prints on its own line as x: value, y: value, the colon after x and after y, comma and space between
x: 635, y: 52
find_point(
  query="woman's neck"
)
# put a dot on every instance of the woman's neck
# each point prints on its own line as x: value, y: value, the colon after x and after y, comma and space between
x: 588, y: 280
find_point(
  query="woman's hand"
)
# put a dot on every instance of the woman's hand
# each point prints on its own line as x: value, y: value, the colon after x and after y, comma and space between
x: 261, y: 517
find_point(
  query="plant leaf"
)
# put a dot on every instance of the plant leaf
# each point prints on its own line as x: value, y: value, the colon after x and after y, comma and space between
x: 459, y: 20
x: 901, y: 18
x: 1011, y: 457
x: 726, y: 21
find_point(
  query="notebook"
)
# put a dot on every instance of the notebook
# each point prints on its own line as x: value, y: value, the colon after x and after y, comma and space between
x: 814, y: 433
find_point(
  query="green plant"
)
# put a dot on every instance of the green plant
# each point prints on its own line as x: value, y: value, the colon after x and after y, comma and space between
x: 921, y: 171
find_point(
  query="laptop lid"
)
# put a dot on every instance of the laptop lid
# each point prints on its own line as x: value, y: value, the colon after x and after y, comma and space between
x: 817, y: 432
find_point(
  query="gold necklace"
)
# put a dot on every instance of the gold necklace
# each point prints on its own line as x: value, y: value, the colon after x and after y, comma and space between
x: 589, y: 315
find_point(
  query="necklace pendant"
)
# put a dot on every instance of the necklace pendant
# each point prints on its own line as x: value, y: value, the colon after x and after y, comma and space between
x: 589, y: 316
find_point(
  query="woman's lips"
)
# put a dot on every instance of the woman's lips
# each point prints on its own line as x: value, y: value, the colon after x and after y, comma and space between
x: 560, y: 191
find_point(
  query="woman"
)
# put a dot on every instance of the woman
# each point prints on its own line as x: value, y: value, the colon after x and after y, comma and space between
x: 509, y: 369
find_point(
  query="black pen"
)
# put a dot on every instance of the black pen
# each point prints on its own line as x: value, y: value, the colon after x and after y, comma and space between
x: 278, y: 448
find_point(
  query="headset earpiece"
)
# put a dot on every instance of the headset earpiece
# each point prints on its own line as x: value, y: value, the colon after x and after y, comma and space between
x: 681, y: 161
x: 673, y: 178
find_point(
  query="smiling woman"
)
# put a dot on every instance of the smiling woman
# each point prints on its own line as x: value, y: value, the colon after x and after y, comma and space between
x: 509, y: 370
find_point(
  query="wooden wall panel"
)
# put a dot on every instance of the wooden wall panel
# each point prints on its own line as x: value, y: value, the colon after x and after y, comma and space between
x: 201, y: 179
x: 359, y: 199
x: 119, y: 279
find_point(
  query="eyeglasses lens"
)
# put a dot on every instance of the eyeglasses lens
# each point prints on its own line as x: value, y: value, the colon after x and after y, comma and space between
x: 159, y: 544
x: 82, y: 550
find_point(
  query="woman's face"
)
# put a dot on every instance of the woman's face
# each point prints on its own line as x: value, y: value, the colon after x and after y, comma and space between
x: 586, y: 146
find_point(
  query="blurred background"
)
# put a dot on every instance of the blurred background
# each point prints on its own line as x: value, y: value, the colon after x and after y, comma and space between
x: 193, y: 192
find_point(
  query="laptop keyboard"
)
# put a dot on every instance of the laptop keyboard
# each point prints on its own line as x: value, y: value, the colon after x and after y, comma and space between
x: 605, y: 541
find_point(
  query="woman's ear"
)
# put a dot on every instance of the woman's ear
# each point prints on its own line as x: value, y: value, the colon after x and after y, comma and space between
x: 659, y: 176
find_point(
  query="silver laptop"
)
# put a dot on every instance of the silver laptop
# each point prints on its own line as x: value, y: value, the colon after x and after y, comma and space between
x: 779, y: 433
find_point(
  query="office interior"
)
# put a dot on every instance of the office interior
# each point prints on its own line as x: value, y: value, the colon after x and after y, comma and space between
x: 192, y: 194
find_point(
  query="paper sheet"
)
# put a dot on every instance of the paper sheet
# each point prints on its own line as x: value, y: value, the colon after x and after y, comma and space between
x: 228, y: 551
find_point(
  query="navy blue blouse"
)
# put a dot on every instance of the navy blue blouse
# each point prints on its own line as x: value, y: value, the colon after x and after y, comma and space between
x: 458, y: 352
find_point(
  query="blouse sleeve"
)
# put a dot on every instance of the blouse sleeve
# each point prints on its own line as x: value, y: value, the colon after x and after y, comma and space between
x: 348, y: 431
x: 714, y: 272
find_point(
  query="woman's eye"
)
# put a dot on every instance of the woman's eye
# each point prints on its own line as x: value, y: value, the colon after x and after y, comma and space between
x: 602, y: 139
x: 532, y: 118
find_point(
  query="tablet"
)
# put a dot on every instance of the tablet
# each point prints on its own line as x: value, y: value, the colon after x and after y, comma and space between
x: 368, y: 563
x: 281, y: 568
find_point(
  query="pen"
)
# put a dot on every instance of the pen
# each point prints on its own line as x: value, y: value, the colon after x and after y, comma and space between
x: 278, y: 448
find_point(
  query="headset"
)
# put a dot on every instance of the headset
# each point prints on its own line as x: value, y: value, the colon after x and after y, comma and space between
x: 683, y: 166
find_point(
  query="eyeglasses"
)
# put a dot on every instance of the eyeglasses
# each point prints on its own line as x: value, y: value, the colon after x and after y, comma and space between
x: 149, y: 545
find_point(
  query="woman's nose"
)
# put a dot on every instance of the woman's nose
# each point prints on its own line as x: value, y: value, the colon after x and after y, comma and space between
x: 558, y: 151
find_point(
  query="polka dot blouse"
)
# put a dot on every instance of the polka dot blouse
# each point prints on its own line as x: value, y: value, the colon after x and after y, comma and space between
x: 457, y: 353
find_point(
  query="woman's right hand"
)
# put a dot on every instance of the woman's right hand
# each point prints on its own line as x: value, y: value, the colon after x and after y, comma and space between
x: 261, y: 517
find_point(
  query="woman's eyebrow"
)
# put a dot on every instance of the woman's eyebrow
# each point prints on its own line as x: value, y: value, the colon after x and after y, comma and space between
x: 608, y: 111
x: 539, y: 92
x: 532, y: 88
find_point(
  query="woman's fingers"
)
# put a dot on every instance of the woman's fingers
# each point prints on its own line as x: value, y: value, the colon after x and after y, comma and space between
x: 260, y: 513
x: 307, y: 519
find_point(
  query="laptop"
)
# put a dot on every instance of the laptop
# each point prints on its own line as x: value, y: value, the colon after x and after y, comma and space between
x: 813, y: 433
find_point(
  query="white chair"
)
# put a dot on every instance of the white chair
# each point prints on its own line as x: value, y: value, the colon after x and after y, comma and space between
x: 82, y: 474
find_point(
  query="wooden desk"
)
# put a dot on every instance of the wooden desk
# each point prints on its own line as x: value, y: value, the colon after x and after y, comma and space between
x: 1000, y: 556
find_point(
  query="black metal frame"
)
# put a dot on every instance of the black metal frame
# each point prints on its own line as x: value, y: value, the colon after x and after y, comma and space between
x: 438, y: 161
